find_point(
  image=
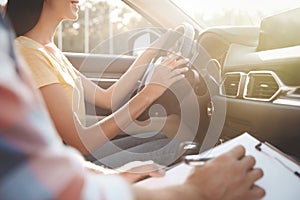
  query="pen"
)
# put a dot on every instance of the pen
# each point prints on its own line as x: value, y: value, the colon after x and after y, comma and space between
x: 195, y: 160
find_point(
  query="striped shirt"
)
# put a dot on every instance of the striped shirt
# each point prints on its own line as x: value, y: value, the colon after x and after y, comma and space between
x: 34, y: 163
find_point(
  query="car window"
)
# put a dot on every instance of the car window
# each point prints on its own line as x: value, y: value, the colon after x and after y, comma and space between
x: 233, y: 12
x: 98, y: 21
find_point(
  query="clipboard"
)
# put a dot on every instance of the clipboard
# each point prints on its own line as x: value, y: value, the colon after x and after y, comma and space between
x: 280, y: 180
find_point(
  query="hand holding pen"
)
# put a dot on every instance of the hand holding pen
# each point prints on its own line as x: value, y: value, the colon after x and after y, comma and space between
x: 231, y: 175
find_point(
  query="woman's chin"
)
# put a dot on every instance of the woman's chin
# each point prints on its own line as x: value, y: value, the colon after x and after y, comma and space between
x: 73, y: 17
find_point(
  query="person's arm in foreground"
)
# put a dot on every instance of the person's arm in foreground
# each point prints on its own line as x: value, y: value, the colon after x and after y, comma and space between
x: 228, y: 177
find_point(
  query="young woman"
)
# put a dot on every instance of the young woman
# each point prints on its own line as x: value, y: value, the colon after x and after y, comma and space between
x: 65, y: 89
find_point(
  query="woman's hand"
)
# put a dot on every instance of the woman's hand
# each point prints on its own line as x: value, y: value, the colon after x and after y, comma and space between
x: 137, y: 170
x: 132, y: 172
x: 165, y: 74
x: 96, y: 168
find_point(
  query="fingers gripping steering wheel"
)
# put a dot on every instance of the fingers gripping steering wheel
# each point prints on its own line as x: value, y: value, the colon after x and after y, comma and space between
x: 181, y: 39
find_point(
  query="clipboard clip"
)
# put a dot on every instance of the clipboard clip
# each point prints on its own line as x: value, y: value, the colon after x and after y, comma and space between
x: 259, y: 148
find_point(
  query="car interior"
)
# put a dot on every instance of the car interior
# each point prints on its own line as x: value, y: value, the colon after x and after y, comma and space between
x: 236, y: 106
x: 260, y: 80
x: 246, y: 78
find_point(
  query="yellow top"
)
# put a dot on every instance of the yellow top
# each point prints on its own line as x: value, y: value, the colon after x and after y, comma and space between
x: 47, y: 69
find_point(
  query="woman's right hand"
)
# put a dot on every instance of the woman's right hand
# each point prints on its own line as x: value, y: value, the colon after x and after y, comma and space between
x: 137, y: 170
x: 167, y: 73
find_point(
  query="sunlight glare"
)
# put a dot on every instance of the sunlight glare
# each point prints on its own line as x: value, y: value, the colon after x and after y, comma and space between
x: 255, y: 10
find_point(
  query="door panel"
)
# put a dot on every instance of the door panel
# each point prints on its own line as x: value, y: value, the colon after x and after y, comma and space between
x: 102, y: 69
x: 101, y: 66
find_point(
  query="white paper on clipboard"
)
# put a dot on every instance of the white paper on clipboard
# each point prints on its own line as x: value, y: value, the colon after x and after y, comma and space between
x: 279, y: 180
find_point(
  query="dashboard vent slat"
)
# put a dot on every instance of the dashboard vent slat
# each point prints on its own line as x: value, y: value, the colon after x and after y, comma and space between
x: 231, y: 85
x: 261, y: 86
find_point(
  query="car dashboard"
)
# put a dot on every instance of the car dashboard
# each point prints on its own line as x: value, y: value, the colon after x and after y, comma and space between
x: 261, y: 86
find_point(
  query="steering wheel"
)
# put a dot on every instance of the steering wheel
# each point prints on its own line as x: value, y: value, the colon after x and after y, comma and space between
x: 187, y: 39
x: 201, y: 111
x: 183, y: 37
x: 181, y: 41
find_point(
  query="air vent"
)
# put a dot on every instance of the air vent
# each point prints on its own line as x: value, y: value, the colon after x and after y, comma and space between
x: 261, y: 86
x: 231, y: 84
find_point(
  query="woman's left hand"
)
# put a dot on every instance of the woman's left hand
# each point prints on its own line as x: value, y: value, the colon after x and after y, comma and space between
x: 166, y: 74
x: 137, y: 170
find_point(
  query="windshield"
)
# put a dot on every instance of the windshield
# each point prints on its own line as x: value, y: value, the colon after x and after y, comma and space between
x: 233, y: 12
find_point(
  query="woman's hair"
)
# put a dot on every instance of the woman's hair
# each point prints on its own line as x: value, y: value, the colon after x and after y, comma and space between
x: 23, y: 14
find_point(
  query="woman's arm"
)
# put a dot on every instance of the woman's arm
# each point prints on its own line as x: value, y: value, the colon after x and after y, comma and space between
x: 113, y: 97
x: 170, y: 126
x: 88, y: 139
